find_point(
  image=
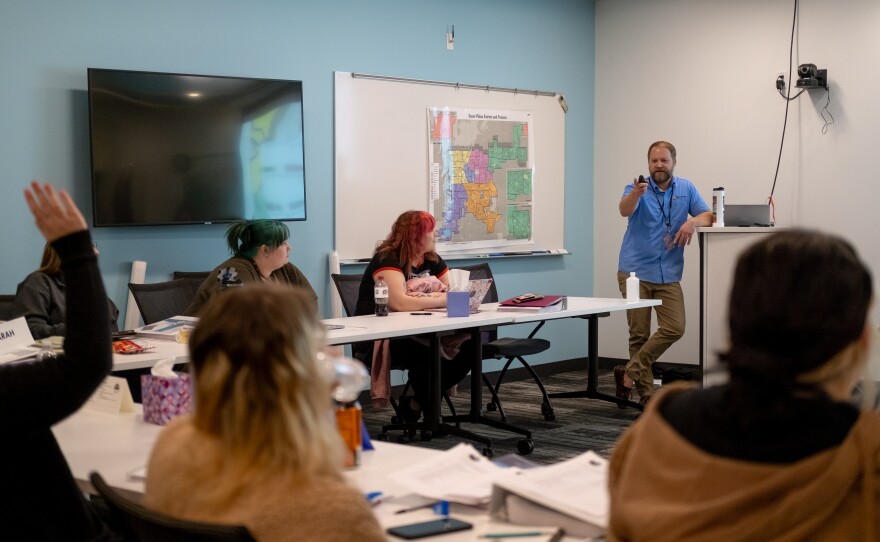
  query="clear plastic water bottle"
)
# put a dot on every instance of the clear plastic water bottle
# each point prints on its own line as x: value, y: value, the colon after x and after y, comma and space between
x: 380, y: 294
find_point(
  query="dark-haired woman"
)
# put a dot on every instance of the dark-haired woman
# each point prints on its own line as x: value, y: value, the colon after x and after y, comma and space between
x: 40, y: 298
x: 408, y: 253
x: 777, y: 453
x: 260, y: 254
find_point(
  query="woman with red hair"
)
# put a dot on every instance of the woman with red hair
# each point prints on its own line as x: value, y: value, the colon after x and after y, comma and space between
x: 408, y: 253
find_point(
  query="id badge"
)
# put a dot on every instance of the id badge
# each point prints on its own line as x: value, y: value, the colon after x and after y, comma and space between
x: 669, y: 241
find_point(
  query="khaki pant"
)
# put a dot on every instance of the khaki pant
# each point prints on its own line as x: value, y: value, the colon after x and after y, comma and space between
x: 644, y: 348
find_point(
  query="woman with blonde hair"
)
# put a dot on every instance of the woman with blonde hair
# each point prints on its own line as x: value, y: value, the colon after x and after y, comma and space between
x: 777, y: 453
x: 261, y: 448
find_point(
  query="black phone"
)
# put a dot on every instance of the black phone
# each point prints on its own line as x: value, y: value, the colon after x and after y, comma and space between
x: 429, y: 528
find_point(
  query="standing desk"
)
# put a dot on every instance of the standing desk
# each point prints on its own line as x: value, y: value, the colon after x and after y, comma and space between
x: 117, y: 444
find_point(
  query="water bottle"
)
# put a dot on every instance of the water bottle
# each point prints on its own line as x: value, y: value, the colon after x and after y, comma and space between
x: 632, y: 287
x: 380, y: 294
x: 348, y: 377
x: 348, y: 423
x: 718, y: 207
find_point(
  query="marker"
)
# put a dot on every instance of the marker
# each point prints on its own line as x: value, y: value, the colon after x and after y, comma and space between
x: 421, y: 313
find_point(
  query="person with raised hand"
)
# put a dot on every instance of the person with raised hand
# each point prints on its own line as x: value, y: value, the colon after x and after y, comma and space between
x: 40, y: 499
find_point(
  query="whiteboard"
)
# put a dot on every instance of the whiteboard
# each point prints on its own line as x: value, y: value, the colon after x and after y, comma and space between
x: 381, y: 158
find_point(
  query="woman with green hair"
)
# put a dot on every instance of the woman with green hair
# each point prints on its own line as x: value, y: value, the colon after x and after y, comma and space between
x: 260, y: 254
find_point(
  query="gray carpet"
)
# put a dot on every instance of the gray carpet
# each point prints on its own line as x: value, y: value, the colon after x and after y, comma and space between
x: 580, y: 425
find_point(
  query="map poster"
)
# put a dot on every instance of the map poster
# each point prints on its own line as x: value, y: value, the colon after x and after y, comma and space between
x: 480, y: 175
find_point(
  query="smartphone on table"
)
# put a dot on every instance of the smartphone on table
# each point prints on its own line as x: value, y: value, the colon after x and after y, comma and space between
x: 429, y: 528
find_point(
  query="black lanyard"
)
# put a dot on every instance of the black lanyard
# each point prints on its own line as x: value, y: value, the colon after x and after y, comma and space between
x: 661, y: 203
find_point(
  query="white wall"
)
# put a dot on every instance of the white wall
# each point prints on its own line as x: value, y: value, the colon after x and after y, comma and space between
x: 701, y: 74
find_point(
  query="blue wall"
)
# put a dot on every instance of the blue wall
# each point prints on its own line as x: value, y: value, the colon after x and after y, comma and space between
x: 46, y: 46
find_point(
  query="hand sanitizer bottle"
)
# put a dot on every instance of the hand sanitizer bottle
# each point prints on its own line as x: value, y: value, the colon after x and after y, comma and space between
x: 632, y: 287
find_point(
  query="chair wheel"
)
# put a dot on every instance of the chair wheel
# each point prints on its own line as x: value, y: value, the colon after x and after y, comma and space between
x: 525, y: 446
x: 403, y: 438
x: 383, y: 437
x: 488, y: 452
x: 427, y: 435
x: 491, y: 406
x: 547, y: 411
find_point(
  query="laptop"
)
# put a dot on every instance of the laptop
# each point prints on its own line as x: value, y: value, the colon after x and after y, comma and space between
x: 747, y: 215
x: 478, y: 289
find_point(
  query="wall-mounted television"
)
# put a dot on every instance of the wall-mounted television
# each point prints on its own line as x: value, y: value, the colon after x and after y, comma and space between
x: 172, y: 148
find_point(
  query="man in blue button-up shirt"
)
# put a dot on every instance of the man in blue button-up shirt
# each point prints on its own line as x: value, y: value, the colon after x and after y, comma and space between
x: 653, y: 247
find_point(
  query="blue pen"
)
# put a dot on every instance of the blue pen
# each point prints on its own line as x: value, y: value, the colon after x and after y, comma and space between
x: 374, y: 497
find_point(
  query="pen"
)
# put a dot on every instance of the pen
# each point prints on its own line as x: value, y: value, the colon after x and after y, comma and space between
x: 523, y: 534
x: 443, y: 505
x: 421, y: 313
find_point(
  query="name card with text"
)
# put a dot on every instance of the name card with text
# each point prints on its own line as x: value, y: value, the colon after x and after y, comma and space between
x: 112, y: 397
x: 16, y: 341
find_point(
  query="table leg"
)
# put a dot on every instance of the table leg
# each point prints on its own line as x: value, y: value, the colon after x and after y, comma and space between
x: 592, y: 391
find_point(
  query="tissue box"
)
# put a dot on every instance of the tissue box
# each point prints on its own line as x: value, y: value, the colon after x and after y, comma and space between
x: 164, y: 398
x: 458, y: 303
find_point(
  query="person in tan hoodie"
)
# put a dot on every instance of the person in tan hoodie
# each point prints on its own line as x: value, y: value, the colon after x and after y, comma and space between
x: 261, y: 448
x: 779, y: 452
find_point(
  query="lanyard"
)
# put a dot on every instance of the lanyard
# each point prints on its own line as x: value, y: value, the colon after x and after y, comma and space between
x: 661, y: 203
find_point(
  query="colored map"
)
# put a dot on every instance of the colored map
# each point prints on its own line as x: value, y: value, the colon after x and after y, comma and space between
x: 480, y: 177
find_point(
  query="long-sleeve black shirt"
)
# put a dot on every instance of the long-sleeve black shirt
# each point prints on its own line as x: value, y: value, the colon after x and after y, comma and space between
x: 39, y: 499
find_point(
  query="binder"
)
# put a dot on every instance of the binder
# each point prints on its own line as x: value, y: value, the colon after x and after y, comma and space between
x: 547, y: 303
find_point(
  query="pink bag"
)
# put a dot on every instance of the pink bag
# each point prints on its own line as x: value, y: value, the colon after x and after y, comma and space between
x: 164, y: 398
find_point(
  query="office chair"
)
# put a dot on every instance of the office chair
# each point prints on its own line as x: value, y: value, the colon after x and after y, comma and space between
x: 201, y: 275
x: 348, y: 287
x: 510, y: 349
x: 160, y: 300
x: 140, y: 524
x: 6, y: 302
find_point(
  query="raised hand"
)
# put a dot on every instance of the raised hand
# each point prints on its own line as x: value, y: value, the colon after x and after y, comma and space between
x: 54, y: 212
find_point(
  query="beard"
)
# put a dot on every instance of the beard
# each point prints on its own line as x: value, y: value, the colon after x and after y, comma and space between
x: 661, y: 175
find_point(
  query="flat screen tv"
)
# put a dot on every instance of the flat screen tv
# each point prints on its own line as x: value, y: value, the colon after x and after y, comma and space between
x: 173, y: 148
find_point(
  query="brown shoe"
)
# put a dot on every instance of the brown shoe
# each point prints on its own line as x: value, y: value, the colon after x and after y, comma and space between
x: 643, y: 400
x: 622, y: 392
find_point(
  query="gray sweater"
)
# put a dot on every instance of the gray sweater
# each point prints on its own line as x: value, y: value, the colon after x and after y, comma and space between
x: 40, y: 299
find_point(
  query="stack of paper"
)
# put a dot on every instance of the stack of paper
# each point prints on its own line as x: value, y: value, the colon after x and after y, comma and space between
x: 461, y: 474
x: 572, y: 495
x: 166, y: 329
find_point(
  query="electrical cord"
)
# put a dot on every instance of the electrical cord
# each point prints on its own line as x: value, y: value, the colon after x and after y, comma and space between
x: 825, y: 110
x: 785, y: 121
x: 784, y: 97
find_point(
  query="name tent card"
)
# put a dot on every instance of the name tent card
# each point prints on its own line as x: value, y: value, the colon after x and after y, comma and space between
x: 112, y: 397
x: 16, y: 341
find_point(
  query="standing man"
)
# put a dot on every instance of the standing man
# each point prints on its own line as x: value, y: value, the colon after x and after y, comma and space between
x: 653, y: 247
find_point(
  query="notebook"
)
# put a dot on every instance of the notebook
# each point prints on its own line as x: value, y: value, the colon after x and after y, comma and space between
x: 747, y: 215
